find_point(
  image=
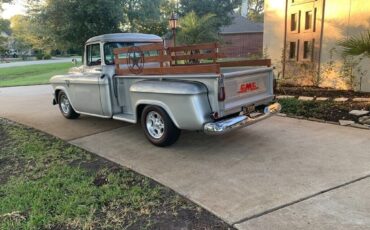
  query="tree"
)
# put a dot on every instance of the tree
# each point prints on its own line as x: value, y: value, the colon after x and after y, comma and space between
x: 68, y: 24
x: 4, y: 27
x: 22, y: 34
x: 4, y: 1
x: 169, y: 6
x: 222, y: 9
x: 356, y: 45
x: 145, y: 16
x: 195, y: 29
x: 255, y: 10
x: 3, y: 45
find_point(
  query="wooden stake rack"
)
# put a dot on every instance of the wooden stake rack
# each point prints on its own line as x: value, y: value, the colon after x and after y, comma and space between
x: 168, y: 60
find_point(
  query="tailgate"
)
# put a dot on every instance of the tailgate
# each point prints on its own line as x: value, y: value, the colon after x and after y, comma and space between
x: 247, y: 87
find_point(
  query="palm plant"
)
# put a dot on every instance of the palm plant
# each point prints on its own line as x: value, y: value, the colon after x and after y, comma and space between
x: 195, y: 29
x: 355, y: 46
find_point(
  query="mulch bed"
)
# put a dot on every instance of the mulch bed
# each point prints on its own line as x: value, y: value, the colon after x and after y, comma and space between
x: 319, y: 92
x: 322, y: 110
x: 328, y: 110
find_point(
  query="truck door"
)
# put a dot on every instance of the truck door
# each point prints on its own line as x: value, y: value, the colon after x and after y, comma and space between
x: 85, y: 87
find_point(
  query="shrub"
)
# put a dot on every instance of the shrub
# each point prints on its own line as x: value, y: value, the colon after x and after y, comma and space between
x: 355, y: 46
x: 47, y: 57
x: 39, y: 56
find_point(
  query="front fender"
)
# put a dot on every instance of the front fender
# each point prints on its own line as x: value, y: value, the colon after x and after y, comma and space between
x: 186, y: 103
x: 59, y: 88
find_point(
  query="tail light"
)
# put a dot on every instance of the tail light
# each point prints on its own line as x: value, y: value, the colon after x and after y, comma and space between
x: 221, y: 89
x: 221, y: 93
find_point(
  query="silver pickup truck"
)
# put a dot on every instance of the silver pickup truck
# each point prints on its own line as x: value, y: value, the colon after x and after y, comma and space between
x: 215, y: 103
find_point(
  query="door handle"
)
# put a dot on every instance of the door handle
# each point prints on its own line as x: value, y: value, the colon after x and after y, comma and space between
x: 102, y: 76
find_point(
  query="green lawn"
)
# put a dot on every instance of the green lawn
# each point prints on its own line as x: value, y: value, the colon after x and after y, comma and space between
x: 46, y: 183
x: 31, y: 75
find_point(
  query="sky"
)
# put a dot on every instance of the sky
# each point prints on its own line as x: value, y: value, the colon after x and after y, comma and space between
x: 13, y: 9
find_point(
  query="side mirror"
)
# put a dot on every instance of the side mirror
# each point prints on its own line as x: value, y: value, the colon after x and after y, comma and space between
x: 74, y: 61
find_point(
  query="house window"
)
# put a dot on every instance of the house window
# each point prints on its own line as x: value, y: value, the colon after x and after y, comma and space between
x: 308, y: 50
x: 308, y: 20
x: 294, y: 22
x: 292, y: 50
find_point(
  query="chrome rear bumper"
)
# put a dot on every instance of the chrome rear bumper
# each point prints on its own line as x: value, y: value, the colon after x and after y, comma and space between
x: 227, y: 125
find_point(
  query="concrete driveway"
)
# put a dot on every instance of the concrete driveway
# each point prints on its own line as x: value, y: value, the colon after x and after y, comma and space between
x: 32, y: 106
x: 281, y: 173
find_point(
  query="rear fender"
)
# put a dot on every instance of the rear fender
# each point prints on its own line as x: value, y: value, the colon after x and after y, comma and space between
x: 155, y: 103
x: 185, y: 102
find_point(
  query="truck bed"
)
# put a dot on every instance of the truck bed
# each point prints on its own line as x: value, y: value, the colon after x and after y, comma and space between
x: 243, y: 83
x: 257, y: 83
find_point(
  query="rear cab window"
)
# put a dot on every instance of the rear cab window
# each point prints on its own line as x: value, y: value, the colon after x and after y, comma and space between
x: 110, y: 46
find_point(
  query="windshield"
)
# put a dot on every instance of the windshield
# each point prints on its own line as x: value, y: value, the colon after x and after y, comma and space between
x: 110, y: 46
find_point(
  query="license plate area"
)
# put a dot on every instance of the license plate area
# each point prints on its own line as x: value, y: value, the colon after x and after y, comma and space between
x: 249, y: 109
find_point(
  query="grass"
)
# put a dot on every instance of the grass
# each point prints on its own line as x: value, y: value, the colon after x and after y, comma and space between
x: 31, y: 75
x: 48, y: 184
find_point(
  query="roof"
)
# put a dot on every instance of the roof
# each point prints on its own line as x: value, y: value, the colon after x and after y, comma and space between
x: 241, y: 25
x: 125, y: 37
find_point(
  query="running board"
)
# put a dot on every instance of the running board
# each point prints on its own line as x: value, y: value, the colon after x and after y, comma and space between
x: 125, y: 117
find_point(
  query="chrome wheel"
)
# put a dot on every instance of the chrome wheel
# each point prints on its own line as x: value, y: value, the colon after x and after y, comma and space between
x: 155, y: 124
x: 64, y: 104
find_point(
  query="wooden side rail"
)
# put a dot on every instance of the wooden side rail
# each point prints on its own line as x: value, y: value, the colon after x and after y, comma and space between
x: 194, y: 53
x: 204, y: 46
x: 259, y: 62
x: 190, y: 56
x: 210, y: 68
x: 163, y: 58
x: 147, y: 59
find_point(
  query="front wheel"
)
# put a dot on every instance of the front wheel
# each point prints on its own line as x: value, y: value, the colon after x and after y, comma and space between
x: 66, y: 107
x: 158, y: 126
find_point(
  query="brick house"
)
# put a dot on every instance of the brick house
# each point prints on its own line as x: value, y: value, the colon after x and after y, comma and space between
x: 301, y: 38
x: 242, y: 38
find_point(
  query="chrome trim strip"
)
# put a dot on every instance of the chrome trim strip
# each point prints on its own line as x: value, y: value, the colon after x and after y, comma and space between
x: 93, y: 115
x: 164, y: 77
x: 225, y: 126
x: 124, y: 119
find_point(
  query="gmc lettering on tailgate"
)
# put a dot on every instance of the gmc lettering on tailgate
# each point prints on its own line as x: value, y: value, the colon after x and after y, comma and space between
x: 248, y: 87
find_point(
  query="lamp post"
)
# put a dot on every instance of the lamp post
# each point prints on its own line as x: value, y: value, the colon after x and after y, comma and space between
x: 173, y: 25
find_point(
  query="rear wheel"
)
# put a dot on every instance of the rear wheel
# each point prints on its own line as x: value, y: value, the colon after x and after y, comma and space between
x: 158, y: 126
x: 66, y: 107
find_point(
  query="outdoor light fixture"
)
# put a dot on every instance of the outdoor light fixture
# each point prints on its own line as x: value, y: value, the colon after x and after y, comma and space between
x: 173, y: 25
